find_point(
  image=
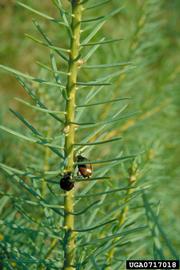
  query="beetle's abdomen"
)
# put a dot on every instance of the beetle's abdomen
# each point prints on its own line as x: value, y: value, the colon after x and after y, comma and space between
x: 85, y: 171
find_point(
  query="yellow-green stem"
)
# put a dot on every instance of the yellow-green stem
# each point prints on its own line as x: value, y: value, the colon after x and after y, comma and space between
x: 70, y: 236
x: 122, y: 217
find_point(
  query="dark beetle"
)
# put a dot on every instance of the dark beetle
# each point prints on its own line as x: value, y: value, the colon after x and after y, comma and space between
x: 66, y: 182
x: 85, y: 169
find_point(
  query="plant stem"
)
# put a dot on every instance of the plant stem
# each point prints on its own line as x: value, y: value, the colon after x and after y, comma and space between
x: 69, y: 238
x: 123, y: 215
x: 46, y: 165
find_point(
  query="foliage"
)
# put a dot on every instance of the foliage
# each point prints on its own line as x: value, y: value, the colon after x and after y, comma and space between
x: 124, y: 103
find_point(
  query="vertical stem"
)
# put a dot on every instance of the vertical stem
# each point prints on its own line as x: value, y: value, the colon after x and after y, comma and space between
x: 123, y: 215
x: 46, y: 166
x: 69, y: 239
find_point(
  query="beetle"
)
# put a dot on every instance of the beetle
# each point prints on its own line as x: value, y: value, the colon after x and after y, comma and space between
x: 66, y: 182
x: 84, y: 169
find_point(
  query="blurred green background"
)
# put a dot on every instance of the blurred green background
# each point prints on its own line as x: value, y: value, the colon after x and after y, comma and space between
x: 154, y: 85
